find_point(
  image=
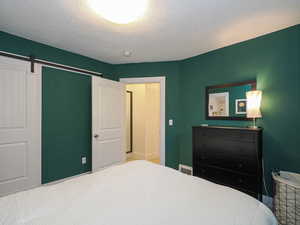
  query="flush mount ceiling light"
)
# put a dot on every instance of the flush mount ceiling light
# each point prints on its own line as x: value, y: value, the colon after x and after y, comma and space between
x: 119, y: 11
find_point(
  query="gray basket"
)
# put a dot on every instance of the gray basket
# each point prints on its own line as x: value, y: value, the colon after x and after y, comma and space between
x: 287, y: 197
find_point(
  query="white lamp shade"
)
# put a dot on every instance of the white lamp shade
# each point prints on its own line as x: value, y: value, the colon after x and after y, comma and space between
x: 253, y: 104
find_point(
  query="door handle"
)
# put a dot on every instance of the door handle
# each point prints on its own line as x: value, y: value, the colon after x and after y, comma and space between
x: 96, y: 136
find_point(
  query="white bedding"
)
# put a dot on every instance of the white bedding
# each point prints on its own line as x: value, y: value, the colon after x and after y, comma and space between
x: 135, y: 193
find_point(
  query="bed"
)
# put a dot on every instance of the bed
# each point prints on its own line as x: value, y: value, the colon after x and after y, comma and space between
x: 134, y: 193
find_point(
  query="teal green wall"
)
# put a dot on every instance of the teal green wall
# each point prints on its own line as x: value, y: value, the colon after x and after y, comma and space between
x: 171, y: 71
x: 274, y: 61
x: 66, y: 124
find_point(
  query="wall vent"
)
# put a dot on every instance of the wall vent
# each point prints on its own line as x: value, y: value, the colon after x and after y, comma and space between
x: 186, y: 169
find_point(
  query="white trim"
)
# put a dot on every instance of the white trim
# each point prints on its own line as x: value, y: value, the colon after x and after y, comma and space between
x: 162, y: 81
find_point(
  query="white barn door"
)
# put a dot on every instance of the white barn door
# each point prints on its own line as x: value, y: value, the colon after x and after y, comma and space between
x: 108, y: 123
x: 20, y: 126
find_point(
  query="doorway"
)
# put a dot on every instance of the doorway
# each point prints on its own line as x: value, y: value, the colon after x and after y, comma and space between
x: 145, y: 116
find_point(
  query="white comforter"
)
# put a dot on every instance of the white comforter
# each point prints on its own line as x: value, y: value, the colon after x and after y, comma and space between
x: 135, y: 193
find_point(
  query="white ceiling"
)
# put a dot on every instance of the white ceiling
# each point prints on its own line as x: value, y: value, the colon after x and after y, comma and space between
x: 170, y: 30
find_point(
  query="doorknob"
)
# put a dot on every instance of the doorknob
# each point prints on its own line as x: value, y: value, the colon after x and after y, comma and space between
x: 96, y: 136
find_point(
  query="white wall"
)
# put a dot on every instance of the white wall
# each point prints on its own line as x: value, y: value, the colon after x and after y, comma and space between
x: 146, y: 120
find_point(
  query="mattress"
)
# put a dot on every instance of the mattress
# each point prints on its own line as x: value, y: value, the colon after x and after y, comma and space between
x: 134, y: 193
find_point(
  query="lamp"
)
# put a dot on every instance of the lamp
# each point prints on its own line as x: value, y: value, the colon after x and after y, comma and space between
x: 253, y: 105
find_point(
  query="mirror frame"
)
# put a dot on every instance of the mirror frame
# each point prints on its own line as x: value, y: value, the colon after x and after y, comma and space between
x: 251, y: 82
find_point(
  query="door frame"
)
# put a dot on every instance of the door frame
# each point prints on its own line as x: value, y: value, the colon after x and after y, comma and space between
x: 162, y: 81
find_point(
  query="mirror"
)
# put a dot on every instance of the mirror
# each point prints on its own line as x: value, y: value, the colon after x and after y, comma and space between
x: 228, y: 101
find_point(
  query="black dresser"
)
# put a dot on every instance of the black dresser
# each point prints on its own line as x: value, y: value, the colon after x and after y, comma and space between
x: 231, y: 156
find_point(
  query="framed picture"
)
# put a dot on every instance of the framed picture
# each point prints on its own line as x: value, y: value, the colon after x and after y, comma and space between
x: 218, y: 105
x: 241, y: 106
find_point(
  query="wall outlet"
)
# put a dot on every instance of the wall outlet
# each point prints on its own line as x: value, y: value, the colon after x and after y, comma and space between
x: 170, y: 122
x: 83, y: 160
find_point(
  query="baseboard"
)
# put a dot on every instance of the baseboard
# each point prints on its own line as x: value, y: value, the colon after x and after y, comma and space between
x: 129, y: 155
x: 152, y: 156
x: 138, y: 156
x: 67, y: 178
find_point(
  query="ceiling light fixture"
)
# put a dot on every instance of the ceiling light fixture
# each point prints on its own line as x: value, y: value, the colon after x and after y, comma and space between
x: 119, y: 11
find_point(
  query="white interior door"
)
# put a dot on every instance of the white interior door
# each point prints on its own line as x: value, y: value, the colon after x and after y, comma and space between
x: 20, y: 126
x: 108, y: 125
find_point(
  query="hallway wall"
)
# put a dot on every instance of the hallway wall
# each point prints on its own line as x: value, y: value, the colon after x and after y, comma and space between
x: 152, y: 126
x: 138, y: 111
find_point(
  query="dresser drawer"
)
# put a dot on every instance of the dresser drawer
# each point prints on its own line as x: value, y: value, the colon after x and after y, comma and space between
x: 235, y: 164
x: 213, y: 147
x: 223, y: 134
x: 227, y: 178
x: 230, y: 155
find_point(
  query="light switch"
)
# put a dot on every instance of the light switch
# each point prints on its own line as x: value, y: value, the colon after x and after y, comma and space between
x: 171, y: 122
x: 83, y: 160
